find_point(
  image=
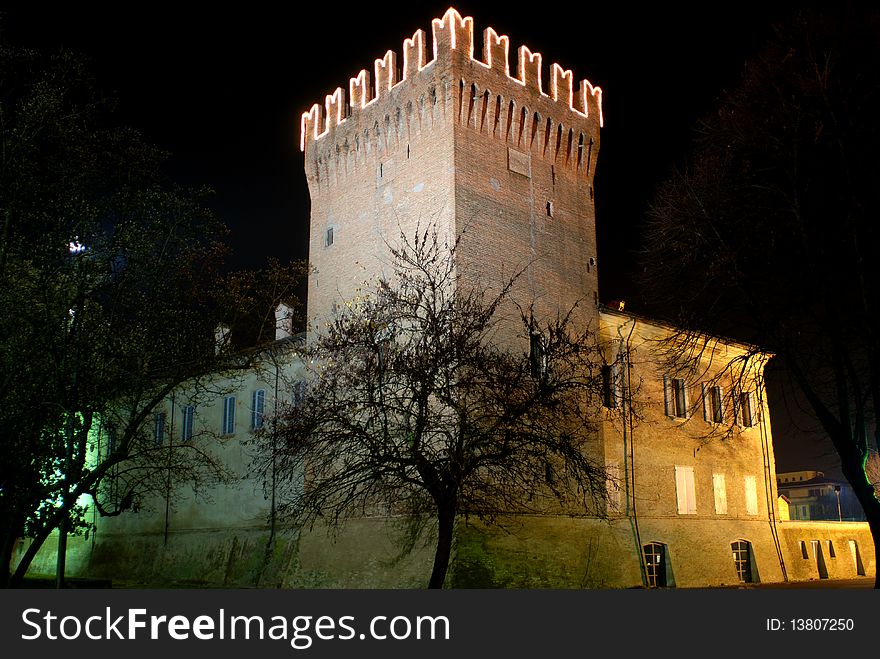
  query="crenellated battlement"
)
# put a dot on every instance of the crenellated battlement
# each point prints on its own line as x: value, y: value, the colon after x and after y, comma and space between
x: 453, y: 35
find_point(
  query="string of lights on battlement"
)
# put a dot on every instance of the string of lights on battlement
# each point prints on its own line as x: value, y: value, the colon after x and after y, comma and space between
x: 451, y: 32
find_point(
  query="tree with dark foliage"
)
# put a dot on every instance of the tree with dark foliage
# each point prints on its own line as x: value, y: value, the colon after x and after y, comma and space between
x: 416, y: 408
x: 110, y: 289
x: 770, y: 234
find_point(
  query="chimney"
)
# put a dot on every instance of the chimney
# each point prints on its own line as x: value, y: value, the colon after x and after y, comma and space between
x: 221, y: 337
x: 283, y: 321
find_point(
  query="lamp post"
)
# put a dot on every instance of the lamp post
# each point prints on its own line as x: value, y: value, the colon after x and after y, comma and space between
x: 839, y: 514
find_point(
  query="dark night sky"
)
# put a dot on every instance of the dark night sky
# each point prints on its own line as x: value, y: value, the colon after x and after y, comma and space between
x: 223, y: 92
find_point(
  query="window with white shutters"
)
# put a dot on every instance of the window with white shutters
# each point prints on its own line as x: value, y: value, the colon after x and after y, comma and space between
x: 685, y: 490
x: 720, y: 488
x: 613, y: 486
x: 751, y: 495
x: 675, y: 397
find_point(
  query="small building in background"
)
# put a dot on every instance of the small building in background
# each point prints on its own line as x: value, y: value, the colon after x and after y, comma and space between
x: 812, y: 496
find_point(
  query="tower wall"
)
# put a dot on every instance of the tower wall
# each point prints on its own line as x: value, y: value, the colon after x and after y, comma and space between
x: 482, y: 151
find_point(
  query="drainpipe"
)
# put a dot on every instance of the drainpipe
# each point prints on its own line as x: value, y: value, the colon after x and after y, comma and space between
x: 629, y: 456
x: 768, y: 479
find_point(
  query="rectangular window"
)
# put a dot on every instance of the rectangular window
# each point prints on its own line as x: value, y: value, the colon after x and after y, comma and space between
x: 189, y: 415
x: 713, y: 404
x: 258, y: 404
x: 720, y: 488
x: 685, y: 491
x: 751, y: 495
x: 538, y: 356
x: 159, y: 428
x: 298, y: 395
x: 676, y: 399
x: 328, y: 238
x: 746, y: 411
x: 612, y: 385
x: 228, y: 427
x: 613, y: 487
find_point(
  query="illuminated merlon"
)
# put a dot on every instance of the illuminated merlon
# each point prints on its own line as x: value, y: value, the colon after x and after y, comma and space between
x: 450, y: 33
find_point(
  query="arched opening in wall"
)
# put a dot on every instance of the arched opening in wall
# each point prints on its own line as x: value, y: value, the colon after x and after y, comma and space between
x: 657, y: 574
x: 433, y: 96
x: 857, y: 558
x: 387, y: 143
x: 523, y: 118
x: 821, y: 568
x: 475, y: 94
x: 547, y: 130
x: 568, y: 146
x: 536, y: 120
x: 580, y: 151
x: 484, y: 109
x: 398, y: 120
x: 510, y: 108
x: 589, y: 155
x: 743, y: 561
x: 497, y: 116
x: 409, y: 121
x: 460, y: 98
x: 558, y: 141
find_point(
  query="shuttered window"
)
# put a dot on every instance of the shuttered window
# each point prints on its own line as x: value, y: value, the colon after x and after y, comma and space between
x: 189, y: 414
x: 751, y: 495
x: 720, y: 488
x: 258, y: 404
x: 228, y: 427
x: 685, y: 491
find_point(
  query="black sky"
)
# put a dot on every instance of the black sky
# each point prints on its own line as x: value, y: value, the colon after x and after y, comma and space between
x: 223, y: 90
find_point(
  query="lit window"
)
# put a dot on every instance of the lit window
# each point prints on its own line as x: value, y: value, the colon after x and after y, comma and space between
x: 228, y: 427
x: 742, y: 560
x: 258, y: 403
x: 655, y: 564
x: 685, y: 490
x: 189, y: 414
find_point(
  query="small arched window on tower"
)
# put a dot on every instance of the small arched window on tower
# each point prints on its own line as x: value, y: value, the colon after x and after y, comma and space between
x: 549, y: 209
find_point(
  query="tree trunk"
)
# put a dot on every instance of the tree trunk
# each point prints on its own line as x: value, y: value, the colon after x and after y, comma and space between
x: 864, y: 492
x: 31, y: 552
x: 446, y: 524
x: 6, y: 551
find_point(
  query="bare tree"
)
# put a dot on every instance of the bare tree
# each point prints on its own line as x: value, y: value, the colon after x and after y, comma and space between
x: 769, y: 234
x: 417, y: 407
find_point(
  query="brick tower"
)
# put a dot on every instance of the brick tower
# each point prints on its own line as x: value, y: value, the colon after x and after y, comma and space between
x: 460, y: 143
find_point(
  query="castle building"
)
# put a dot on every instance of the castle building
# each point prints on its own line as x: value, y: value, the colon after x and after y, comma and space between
x: 450, y: 136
